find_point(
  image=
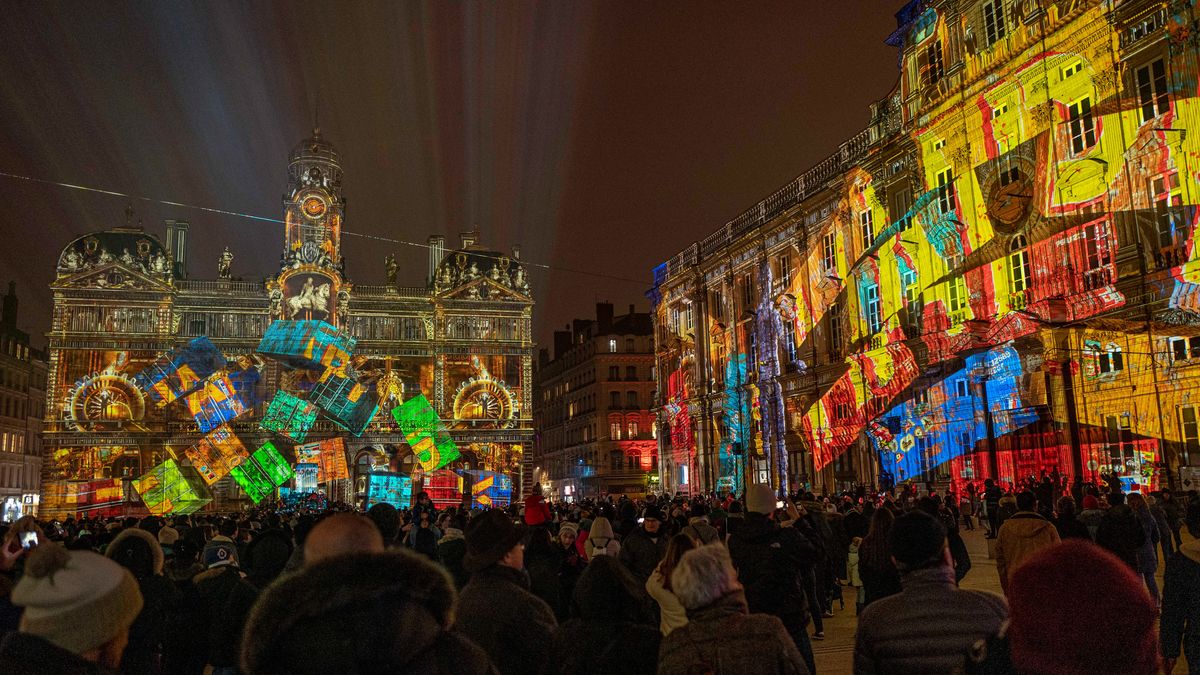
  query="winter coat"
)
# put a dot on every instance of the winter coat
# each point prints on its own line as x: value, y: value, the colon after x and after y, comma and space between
x: 569, y: 570
x: 543, y: 568
x: 700, y: 530
x: 725, y: 638
x: 855, y: 524
x: 601, y: 540
x: 641, y: 552
x: 1120, y: 533
x: 451, y: 550
x: 852, y: 565
x: 671, y: 612
x: 513, y: 626
x: 771, y: 562
x: 1180, y: 619
x: 878, y: 581
x: 222, y: 600
x: 537, y: 511
x: 927, y: 628
x: 1147, y: 554
x: 25, y: 654
x: 156, y: 629
x: 1021, y: 536
x: 1070, y: 527
x: 1091, y: 519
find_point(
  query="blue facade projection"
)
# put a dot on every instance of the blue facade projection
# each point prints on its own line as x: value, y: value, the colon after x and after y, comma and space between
x: 180, y: 371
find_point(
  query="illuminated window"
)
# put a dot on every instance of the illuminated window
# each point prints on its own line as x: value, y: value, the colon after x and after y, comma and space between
x: 945, y: 190
x: 1083, y: 126
x: 1189, y: 429
x: 1144, y: 27
x: 999, y: 110
x: 633, y: 429
x: 612, y: 345
x: 1096, y: 254
x: 614, y: 430
x: 994, y: 28
x: 654, y: 433
x: 829, y: 253
x: 1072, y: 69
x: 1152, y: 89
x: 1111, y: 361
x: 747, y: 283
x: 1168, y: 197
x: 871, y: 305
x: 933, y: 68
x: 675, y: 320
x: 783, y: 270
x: 835, y: 327
x: 908, y: 278
x: 867, y: 228
x: 716, y: 305
x: 1183, y: 349
x: 1018, y: 266
x: 1120, y: 442
x: 956, y: 294
x: 689, y: 316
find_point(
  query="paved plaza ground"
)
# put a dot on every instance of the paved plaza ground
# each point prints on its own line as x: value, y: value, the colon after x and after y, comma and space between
x: 835, y: 654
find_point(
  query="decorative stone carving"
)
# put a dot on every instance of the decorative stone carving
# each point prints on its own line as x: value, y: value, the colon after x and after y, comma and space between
x: 389, y: 263
x: 225, y: 264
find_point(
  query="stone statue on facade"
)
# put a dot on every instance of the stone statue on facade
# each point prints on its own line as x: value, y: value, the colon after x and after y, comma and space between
x: 127, y: 258
x: 72, y: 261
x: 159, y: 263
x: 105, y: 257
x: 225, y: 264
x: 472, y: 272
x: 494, y: 273
x: 519, y: 281
x: 389, y: 263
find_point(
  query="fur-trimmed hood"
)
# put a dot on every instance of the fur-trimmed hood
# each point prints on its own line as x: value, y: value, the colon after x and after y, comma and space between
x: 151, y: 540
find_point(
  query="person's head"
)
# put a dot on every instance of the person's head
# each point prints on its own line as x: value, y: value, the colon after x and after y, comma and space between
x: 138, y: 551
x: 989, y: 482
x: 79, y: 601
x: 1090, y: 502
x: 219, y: 554
x: 393, y: 609
x: 1026, y: 501
x: 387, y: 519
x: 680, y: 544
x: 652, y: 520
x: 760, y: 499
x: 703, y: 576
x: 1136, y: 501
x: 1066, y: 506
x: 342, y: 534
x: 1045, y: 594
x: 21, y: 526
x: 1192, y: 518
x: 267, y: 555
x: 607, y: 593
x: 599, y: 537
x: 227, y: 527
x: 567, y: 533
x: 423, y: 497
x: 918, y: 541
x: 493, y: 539
x: 1116, y: 498
x: 540, y: 542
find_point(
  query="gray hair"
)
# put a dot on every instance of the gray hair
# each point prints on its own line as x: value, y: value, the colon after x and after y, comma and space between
x: 704, y: 575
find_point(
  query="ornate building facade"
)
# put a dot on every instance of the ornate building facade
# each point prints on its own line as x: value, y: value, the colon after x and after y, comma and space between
x: 122, y: 298
x: 997, y: 278
x: 592, y: 408
x: 22, y: 406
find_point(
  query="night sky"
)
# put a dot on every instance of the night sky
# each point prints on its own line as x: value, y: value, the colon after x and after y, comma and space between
x: 598, y: 136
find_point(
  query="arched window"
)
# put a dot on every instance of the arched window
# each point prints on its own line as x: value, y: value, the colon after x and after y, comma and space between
x: 1018, y: 265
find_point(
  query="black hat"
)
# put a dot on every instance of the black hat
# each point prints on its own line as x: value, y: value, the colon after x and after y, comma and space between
x: 489, y: 537
x: 653, y: 512
x: 916, y: 538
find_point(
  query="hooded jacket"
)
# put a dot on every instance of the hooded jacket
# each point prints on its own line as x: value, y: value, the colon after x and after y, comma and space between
x: 1021, y: 536
x: 601, y: 540
x: 1120, y: 533
x: 771, y: 562
x: 513, y: 626
x: 613, y: 630
x: 1180, y: 619
x: 699, y: 529
x: 641, y: 552
x: 25, y: 654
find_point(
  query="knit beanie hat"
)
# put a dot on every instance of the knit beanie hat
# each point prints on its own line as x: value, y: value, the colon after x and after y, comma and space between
x: 218, y: 553
x: 489, y: 538
x: 568, y: 526
x: 1045, y: 632
x: 916, y: 538
x: 78, y: 600
x: 760, y: 499
x: 168, y: 536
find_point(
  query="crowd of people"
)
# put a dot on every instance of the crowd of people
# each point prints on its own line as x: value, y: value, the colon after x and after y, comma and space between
x: 683, y: 585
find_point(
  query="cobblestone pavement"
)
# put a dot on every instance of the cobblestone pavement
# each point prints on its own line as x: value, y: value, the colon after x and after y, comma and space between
x: 835, y: 654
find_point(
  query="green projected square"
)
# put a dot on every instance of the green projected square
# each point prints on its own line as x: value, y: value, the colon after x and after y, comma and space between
x: 253, y: 480
x: 170, y: 488
x: 425, y: 433
x: 273, y: 464
x: 289, y: 415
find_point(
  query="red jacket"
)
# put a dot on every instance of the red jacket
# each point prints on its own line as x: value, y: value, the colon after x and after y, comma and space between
x: 537, y: 511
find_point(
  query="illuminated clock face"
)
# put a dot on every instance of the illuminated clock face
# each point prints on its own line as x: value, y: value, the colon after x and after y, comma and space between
x: 484, y: 402
x: 313, y: 207
x: 105, y: 401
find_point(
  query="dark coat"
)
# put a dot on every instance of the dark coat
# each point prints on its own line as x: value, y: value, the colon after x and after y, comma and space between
x: 451, y: 550
x: 724, y: 638
x: 513, y: 626
x: 156, y: 627
x: 771, y: 562
x: 1120, y: 533
x: 1180, y: 619
x: 641, y: 554
x: 223, y: 599
x: 24, y: 654
x: 543, y: 568
x: 1071, y: 528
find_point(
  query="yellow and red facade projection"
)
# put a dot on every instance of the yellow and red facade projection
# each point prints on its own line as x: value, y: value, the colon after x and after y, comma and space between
x: 996, y: 279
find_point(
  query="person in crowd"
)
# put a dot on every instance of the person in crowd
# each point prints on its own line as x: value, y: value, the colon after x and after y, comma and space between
x: 991, y: 503
x: 1164, y: 526
x: 78, y: 609
x: 771, y: 562
x: 266, y: 556
x: 496, y: 609
x: 151, y: 635
x: 537, y: 511
x: 387, y: 520
x: 1008, y: 507
x: 879, y: 575
x: 855, y: 522
x: 671, y: 613
x: 221, y: 599
x: 423, y: 505
x: 1021, y: 535
x: 570, y: 569
x: 424, y: 536
x: 1147, y: 553
x: 699, y: 528
x: 929, y: 626
x: 543, y: 561
x: 1046, y: 635
x: 852, y: 576
x: 1091, y: 515
x: 601, y: 540
x: 1120, y: 531
x: 341, y: 534
x: 451, y: 549
x: 360, y: 613
x: 954, y: 540
x: 1174, y: 511
x: 645, y: 547
x: 966, y: 507
x: 721, y: 635
x: 1067, y: 523
x: 1180, y: 620
x: 612, y: 630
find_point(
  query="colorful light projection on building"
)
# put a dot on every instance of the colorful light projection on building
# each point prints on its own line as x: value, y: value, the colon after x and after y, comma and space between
x: 313, y: 345
x: 306, y: 474
x: 425, y: 433
x: 489, y: 489
x: 172, y: 489
x: 389, y: 488
x: 289, y: 416
x: 214, y: 403
x: 180, y: 371
x: 217, y: 454
x: 95, y: 498
x: 350, y: 404
x: 330, y: 457
x: 265, y: 471
x: 445, y: 488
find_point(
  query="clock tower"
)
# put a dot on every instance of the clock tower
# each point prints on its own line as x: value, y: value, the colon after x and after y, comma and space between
x: 310, y: 276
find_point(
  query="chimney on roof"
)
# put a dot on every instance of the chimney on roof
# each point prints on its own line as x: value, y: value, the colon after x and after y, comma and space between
x: 562, y: 343
x: 469, y: 239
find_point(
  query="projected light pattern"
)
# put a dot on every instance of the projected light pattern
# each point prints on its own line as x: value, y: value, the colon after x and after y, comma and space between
x: 307, y: 344
x: 265, y: 471
x: 289, y: 416
x: 347, y: 402
x: 171, y: 489
x: 488, y: 488
x: 329, y: 456
x: 389, y: 488
x: 214, y: 403
x: 181, y: 371
x: 425, y: 433
x: 217, y: 454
